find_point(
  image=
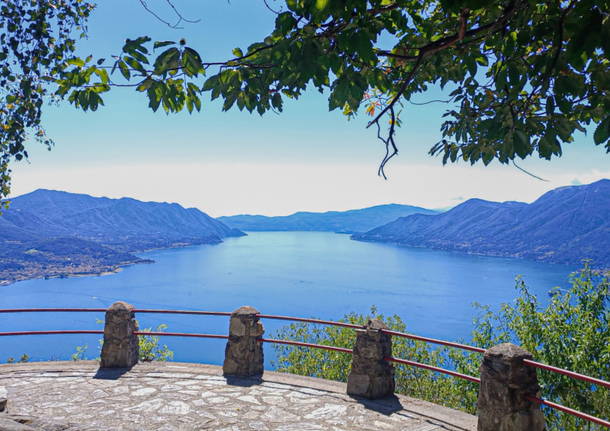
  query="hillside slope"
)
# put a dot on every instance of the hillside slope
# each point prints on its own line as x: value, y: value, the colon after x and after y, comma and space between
x: 565, y: 225
x: 46, y: 232
x: 124, y: 223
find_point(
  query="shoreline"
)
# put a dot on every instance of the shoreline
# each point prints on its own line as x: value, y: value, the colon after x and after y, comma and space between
x: 106, y: 269
x: 101, y: 272
x: 602, y: 268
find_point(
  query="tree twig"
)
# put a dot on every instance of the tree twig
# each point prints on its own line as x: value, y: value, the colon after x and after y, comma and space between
x: 181, y: 18
x: 528, y: 173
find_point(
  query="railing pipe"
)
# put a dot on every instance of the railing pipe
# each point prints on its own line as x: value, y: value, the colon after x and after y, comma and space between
x: 316, y: 321
x: 180, y: 334
x: 61, y: 332
x: 42, y: 310
x: 570, y: 411
x: 195, y: 312
x: 301, y: 344
x: 432, y: 368
x: 435, y: 341
x: 568, y: 373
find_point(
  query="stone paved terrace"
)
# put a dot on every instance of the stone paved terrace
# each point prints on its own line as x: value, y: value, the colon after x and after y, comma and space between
x: 178, y: 396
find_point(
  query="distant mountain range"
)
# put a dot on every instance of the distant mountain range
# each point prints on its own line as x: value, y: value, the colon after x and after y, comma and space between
x: 359, y: 220
x: 50, y: 233
x: 55, y: 233
x: 565, y: 225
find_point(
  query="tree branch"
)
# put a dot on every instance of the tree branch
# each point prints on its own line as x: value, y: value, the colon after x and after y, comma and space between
x: 178, y: 14
x: 401, y: 90
x: 461, y: 34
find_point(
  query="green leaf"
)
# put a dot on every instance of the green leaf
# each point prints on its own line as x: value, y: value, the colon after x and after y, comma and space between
x: 124, y: 70
x: 132, y: 46
x: 521, y: 144
x: 284, y: 23
x: 168, y: 59
x: 602, y: 132
x: 145, y: 85
x: 482, y: 60
x: 363, y: 45
x: 134, y: 64
x: 191, y: 61
x: 211, y: 83
x: 162, y: 44
x: 471, y: 65
x: 103, y: 75
x: 550, y: 105
x: 276, y: 101
x: 140, y: 57
x: 197, y: 101
x: 76, y: 62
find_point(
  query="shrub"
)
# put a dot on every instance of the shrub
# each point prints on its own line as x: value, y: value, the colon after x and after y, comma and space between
x: 150, y: 347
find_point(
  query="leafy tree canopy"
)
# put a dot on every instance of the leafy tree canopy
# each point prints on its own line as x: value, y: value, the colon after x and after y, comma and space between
x: 521, y: 75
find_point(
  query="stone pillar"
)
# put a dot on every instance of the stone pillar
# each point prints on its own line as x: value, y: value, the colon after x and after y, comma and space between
x: 120, y: 348
x: 505, y: 383
x: 244, y: 353
x: 371, y: 376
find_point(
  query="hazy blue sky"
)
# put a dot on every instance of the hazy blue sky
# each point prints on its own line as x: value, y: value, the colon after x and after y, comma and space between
x: 228, y: 163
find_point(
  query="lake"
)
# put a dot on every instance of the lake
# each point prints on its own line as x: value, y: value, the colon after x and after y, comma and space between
x: 305, y: 274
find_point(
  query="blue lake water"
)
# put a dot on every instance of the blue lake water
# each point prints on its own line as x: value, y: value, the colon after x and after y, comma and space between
x: 306, y: 274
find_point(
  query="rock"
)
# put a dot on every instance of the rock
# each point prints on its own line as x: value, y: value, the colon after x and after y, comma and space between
x: 371, y: 376
x: 3, y: 399
x: 8, y: 424
x: 244, y: 353
x: 120, y: 348
x: 506, y: 382
x: 30, y: 423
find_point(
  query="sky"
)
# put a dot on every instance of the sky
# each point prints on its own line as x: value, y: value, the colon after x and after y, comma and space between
x: 225, y: 163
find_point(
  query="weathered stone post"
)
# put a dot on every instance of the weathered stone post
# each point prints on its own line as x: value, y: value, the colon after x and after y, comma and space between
x: 244, y: 353
x: 120, y: 348
x: 371, y: 376
x: 505, y: 383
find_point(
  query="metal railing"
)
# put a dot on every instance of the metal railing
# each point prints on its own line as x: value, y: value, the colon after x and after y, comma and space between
x: 572, y: 374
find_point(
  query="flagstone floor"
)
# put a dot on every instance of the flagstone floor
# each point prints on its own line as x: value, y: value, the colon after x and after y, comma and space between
x: 70, y: 396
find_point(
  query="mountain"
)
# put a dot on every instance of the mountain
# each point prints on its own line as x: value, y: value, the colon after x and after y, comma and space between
x: 126, y: 224
x: 565, y: 225
x: 359, y: 220
x: 46, y: 232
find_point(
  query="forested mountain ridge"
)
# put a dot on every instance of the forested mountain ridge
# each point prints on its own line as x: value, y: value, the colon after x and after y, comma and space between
x: 565, y: 225
x: 49, y: 233
x: 357, y: 220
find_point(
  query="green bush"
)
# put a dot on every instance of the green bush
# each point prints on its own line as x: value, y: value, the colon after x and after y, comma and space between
x: 24, y: 358
x: 150, y: 347
x: 571, y: 331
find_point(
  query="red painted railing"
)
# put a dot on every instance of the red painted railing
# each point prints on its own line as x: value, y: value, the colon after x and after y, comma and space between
x: 435, y: 341
x: 570, y: 411
x: 432, y: 368
x: 301, y: 344
x: 180, y: 334
x: 568, y: 373
x: 51, y: 332
x: 535, y: 364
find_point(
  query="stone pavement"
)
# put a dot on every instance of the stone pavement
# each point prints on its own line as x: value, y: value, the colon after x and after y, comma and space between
x: 178, y: 396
